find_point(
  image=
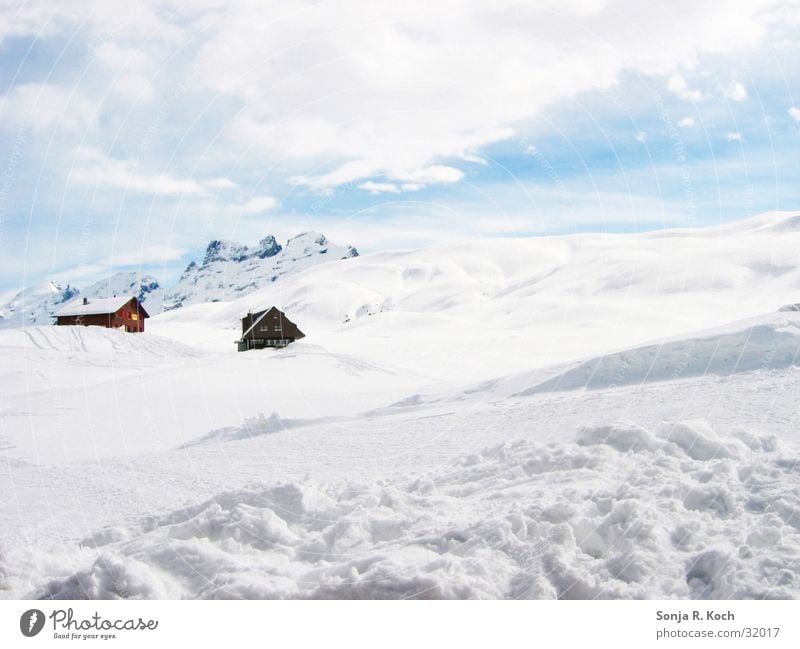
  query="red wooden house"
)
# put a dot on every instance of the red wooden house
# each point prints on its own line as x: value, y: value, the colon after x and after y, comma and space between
x: 123, y: 313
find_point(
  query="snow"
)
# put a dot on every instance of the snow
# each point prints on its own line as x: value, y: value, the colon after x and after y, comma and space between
x: 622, y: 513
x: 510, y: 305
x: 605, y: 416
x: 84, y: 306
x: 765, y: 342
x: 35, y: 304
x: 145, y: 287
x: 73, y: 393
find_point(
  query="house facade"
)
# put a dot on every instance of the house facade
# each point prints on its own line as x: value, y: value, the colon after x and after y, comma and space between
x: 123, y: 313
x: 268, y: 328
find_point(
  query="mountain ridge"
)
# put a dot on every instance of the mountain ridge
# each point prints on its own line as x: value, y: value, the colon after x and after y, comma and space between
x: 228, y: 268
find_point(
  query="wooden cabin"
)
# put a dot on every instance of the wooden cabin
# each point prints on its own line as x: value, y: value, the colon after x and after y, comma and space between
x: 124, y: 313
x: 270, y: 328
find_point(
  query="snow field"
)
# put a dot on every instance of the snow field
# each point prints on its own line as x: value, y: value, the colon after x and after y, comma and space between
x: 532, y: 349
x: 75, y: 393
x: 679, y: 511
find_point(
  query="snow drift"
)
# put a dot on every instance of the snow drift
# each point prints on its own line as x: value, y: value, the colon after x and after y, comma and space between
x: 763, y: 343
x: 621, y: 512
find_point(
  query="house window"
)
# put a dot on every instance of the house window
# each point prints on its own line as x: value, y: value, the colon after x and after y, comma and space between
x: 134, y: 316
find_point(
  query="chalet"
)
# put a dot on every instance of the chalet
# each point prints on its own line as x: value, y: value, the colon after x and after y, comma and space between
x: 124, y: 313
x: 270, y: 328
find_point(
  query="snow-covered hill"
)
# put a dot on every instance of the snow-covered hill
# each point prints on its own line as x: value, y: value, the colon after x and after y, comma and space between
x: 481, y: 309
x: 145, y: 287
x: 759, y: 344
x: 71, y: 393
x: 230, y: 270
x: 763, y: 343
x: 35, y: 304
x: 580, y: 416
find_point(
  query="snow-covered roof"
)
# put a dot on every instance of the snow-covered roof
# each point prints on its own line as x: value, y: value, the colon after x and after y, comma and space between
x: 94, y: 306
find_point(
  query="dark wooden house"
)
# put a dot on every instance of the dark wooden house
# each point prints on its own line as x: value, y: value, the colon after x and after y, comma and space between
x: 124, y: 313
x: 270, y: 328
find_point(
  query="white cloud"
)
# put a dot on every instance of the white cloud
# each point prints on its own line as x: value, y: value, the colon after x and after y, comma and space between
x: 419, y: 224
x: 149, y: 254
x: 220, y: 183
x: 411, y: 180
x: 379, y: 188
x: 430, y: 175
x: 686, y: 122
x: 677, y: 85
x: 794, y: 113
x: 257, y: 205
x: 736, y: 92
x: 734, y: 136
x: 411, y: 84
x: 42, y: 105
x: 344, y: 92
x: 99, y: 171
x: 641, y: 137
x: 120, y: 175
x: 132, y: 67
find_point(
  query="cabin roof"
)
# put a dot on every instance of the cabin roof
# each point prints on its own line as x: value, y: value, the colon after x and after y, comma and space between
x: 99, y: 306
x: 286, y: 328
x: 258, y: 314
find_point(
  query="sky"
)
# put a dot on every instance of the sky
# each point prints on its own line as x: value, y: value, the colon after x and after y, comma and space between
x: 132, y: 133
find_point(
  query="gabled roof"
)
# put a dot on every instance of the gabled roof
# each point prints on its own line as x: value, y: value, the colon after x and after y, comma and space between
x: 100, y: 306
x: 286, y: 328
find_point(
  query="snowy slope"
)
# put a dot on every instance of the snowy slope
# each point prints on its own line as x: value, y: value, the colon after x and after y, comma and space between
x: 539, y: 495
x: 230, y: 270
x: 145, y: 287
x: 583, y: 416
x: 73, y: 393
x: 35, y: 304
x: 759, y: 344
x: 454, y: 320
x: 481, y: 309
x: 762, y: 343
